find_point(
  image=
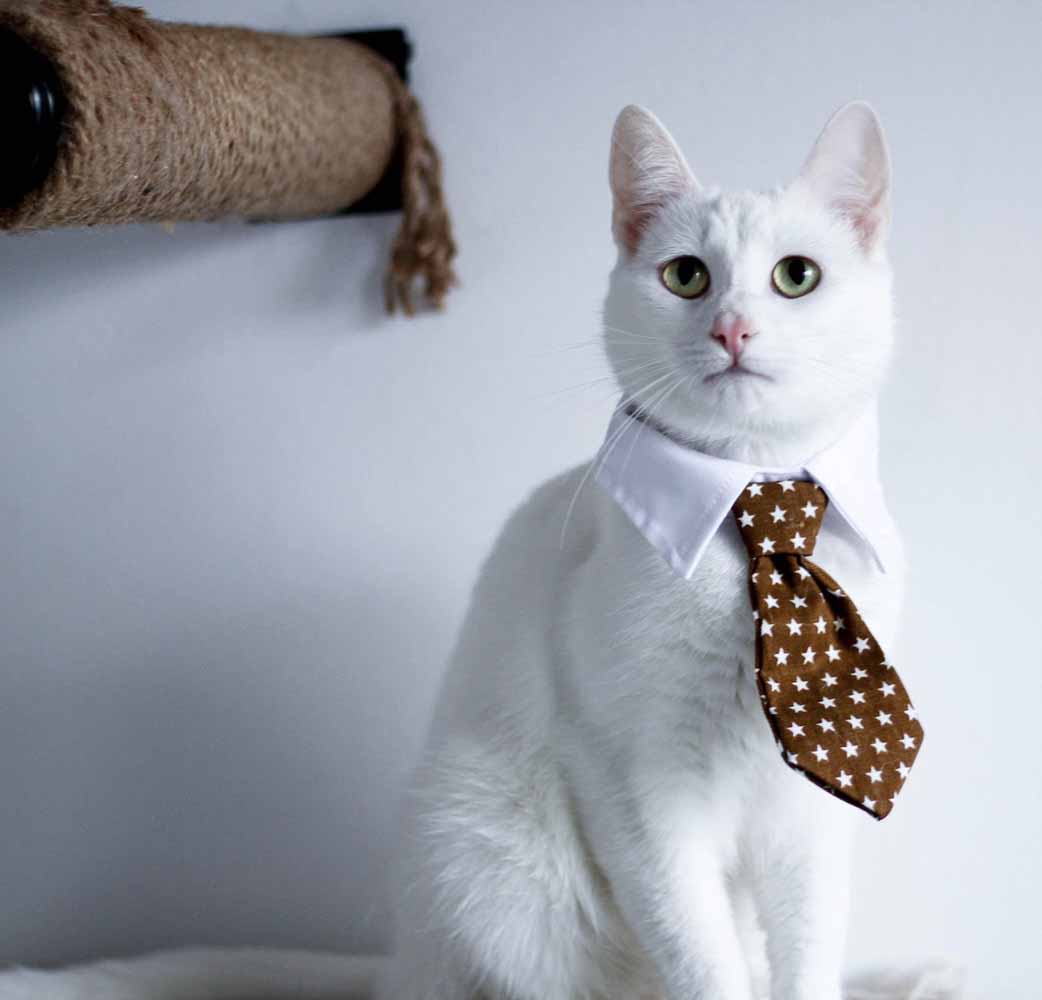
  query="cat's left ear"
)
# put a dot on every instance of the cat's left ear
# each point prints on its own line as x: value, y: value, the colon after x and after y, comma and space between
x: 849, y: 168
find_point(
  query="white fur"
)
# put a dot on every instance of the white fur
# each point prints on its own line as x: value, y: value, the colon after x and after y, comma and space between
x: 601, y: 812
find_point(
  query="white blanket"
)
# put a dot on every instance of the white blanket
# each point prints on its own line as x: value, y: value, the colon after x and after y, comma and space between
x: 262, y: 974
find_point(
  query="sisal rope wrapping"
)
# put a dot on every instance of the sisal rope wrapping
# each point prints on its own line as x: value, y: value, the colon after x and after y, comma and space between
x: 173, y: 122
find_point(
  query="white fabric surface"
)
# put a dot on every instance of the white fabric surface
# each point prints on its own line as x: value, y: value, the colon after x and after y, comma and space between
x: 203, y: 974
x: 267, y: 974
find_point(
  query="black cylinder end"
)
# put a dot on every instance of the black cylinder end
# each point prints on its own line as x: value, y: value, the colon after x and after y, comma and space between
x: 32, y: 110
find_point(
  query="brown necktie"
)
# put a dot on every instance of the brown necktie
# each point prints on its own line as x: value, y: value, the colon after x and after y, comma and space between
x: 838, y: 710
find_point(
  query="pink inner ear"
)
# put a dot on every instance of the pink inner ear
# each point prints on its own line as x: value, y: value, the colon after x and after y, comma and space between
x: 634, y: 223
x: 864, y: 216
x: 631, y: 220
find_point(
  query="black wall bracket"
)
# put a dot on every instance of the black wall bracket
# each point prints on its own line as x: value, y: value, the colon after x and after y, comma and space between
x: 386, y: 196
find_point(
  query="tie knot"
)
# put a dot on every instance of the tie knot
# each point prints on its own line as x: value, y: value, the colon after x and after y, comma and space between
x: 780, y: 518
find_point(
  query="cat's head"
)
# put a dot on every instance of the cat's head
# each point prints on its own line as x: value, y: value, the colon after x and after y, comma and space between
x: 748, y: 320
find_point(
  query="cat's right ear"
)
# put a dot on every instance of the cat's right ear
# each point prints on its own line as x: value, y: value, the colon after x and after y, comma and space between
x: 647, y: 170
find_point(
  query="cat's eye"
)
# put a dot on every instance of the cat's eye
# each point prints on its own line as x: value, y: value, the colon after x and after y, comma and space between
x: 795, y: 276
x: 687, y: 277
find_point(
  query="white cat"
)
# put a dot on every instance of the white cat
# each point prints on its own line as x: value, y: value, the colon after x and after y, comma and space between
x: 601, y: 813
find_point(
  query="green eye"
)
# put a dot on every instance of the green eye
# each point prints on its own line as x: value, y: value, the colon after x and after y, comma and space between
x: 687, y: 277
x: 795, y: 276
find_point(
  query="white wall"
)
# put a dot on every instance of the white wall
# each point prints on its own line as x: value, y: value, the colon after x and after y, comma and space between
x: 240, y: 510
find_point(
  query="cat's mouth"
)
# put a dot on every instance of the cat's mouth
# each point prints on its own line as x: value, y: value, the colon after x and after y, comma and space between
x: 735, y: 372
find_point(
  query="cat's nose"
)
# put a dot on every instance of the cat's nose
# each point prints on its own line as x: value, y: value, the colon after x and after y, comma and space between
x: 733, y: 332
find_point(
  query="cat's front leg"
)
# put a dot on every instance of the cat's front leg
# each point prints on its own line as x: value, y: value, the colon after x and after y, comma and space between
x: 803, y: 892
x: 667, y: 875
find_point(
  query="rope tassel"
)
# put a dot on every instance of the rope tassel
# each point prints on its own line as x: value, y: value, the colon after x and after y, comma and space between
x: 424, y: 247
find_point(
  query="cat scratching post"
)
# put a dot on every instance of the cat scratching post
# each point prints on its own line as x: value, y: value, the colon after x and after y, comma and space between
x: 118, y: 118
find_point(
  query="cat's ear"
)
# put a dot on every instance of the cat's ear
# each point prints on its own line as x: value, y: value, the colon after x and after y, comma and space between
x: 849, y: 168
x: 647, y: 170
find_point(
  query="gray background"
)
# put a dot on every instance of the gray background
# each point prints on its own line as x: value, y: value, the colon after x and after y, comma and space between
x: 240, y: 510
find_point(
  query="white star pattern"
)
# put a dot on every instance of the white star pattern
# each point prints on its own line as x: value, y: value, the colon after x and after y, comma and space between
x: 834, y: 674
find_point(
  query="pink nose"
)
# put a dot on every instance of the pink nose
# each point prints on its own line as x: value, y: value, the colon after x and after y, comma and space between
x: 733, y: 332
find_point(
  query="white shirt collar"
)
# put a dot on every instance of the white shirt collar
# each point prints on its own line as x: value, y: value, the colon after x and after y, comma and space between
x: 678, y: 497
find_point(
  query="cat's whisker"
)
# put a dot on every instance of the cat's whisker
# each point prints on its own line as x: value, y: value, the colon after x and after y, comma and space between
x: 645, y: 365
x: 630, y: 333
x: 574, y: 346
x: 649, y: 408
x: 626, y: 401
x: 582, y: 483
x: 609, y: 447
x: 542, y: 397
x: 650, y: 367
